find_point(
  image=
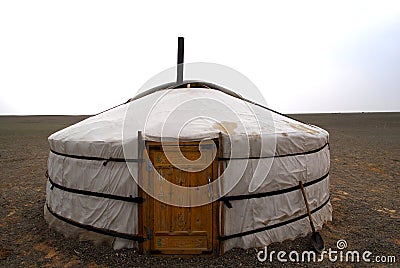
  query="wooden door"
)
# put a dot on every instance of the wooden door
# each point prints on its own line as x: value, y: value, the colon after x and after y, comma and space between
x: 173, y: 229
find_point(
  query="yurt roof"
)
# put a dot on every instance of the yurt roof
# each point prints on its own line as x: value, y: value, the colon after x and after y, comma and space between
x: 151, y: 112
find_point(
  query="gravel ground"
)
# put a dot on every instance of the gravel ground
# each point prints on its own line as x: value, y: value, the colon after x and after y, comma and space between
x: 365, y: 172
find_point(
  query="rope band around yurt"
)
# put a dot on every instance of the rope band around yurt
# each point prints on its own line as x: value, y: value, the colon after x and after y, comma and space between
x: 106, y: 160
x: 274, y: 156
x: 137, y: 238
x: 227, y: 199
x: 137, y: 160
x: 262, y: 229
x: 137, y: 200
x: 140, y: 239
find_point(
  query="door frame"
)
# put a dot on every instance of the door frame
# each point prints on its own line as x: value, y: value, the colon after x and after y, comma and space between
x: 145, y: 209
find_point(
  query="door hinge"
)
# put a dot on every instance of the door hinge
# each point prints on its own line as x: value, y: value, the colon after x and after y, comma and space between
x: 210, y: 189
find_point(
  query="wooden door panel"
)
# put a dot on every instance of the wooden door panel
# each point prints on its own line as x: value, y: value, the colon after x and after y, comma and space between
x: 198, y: 222
x: 178, y: 230
x: 180, y: 242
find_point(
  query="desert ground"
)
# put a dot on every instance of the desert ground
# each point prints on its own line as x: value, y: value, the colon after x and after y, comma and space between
x: 365, y: 194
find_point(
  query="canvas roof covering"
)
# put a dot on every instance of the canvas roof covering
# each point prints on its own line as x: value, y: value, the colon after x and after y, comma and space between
x: 248, y: 132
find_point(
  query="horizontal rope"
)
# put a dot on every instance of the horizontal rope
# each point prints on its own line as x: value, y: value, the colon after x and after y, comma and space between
x: 138, y: 200
x: 226, y: 237
x: 137, y: 238
x: 132, y: 160
x: 106, y: 160
x: 227, y: 199
x: 274, y: 156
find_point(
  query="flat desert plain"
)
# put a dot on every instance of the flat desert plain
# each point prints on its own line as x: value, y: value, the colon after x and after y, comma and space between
x: 365, y: 194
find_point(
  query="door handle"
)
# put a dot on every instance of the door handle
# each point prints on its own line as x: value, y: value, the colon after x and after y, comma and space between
x: 210, y: 190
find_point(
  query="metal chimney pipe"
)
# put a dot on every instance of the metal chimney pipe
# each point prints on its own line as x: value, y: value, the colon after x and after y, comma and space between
x: 179, y: 74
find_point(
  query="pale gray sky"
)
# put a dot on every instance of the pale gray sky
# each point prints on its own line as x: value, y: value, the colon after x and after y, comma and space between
x: 81, y: 57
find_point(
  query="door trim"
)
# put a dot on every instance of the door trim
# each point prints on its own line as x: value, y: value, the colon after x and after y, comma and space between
x: 146, y: 215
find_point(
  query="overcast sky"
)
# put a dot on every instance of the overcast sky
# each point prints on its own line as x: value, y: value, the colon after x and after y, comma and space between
x: 81, y: 57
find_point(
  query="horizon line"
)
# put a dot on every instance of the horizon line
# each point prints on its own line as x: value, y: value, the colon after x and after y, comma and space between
x: 297, y: 113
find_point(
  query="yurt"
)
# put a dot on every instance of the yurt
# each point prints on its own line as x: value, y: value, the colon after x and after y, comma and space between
x: 188, y: 167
